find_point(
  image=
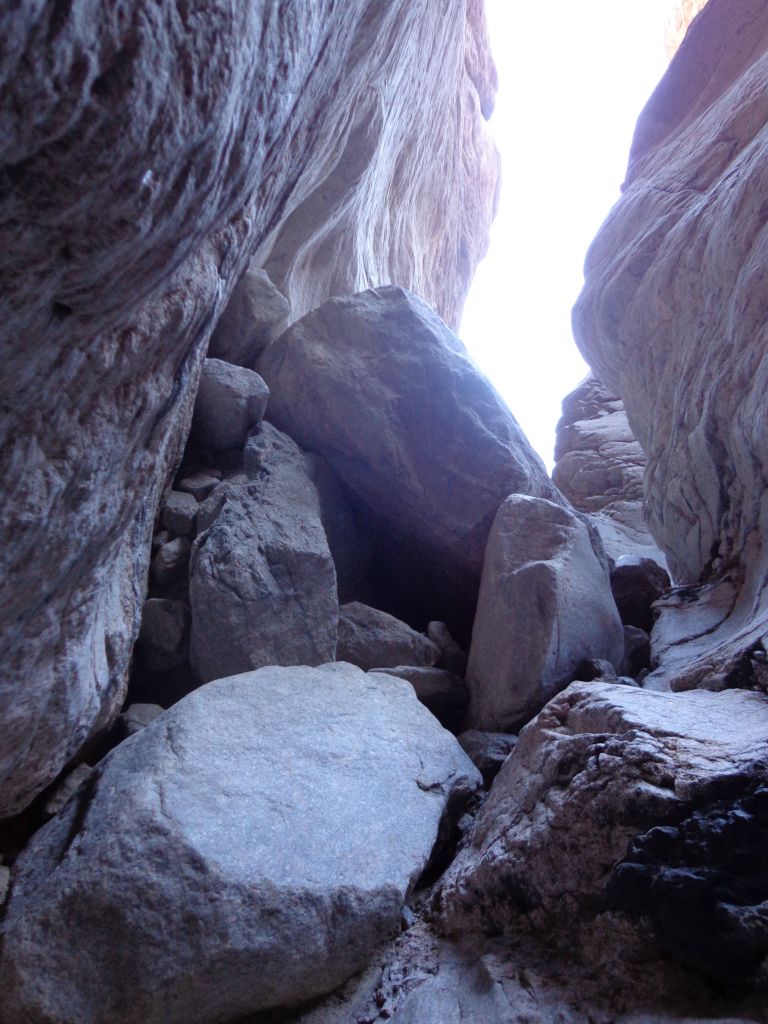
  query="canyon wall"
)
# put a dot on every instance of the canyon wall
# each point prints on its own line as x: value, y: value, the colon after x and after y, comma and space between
x: 672, y: 318
x: 148, y: 152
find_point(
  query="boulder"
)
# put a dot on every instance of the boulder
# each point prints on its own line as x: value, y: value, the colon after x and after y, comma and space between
x: 178, y: 514
x: 420, y: 439
x: 370, y: 638
x: 488, y: 750
x: 599, y: 782
x: 137, y: 717
x: 200, y: 485
x: 443, y: 693
x: 262, y: 582
x: 171, y: 562
x: 452, y: 656
x: 230, y: 403
x: 235, y: 855
x: 545, y: 607
x: 255, y: 315
x: 164, y: 633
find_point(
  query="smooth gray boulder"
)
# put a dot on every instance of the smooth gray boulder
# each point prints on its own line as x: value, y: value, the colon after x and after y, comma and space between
x: 249, y: 849
x: 255, y: 315
x: 230, y: 402
x: 418, y: 436
x: 262, y: 581
x: 370, y: 638
x: 545, y: 606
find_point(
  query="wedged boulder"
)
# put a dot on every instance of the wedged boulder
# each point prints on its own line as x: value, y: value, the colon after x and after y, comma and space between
x: 418, y: 436
x: 602, y: 777
x: 545, y: 607
x: 255, y: 315
x: 370, y: 638
x: 234, y: 855
x: 164, y: 633
x: 636, y: 584
x: 443, y: 693
x: 230, y: 403
x: 262, y: 585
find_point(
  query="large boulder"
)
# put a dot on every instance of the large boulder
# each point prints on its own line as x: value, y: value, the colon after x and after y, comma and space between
x: 671, y: 317
x: 236, y: 854
x: 147, y: 152
x: 545, y: 607
x: 609, y: 790
x: 262, y: 585
x: 370, y: 638
x: 419, y: 437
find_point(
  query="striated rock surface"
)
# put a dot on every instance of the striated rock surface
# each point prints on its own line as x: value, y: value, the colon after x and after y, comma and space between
x: 262, y: 584
x: 418, y: 436
x: 147, y: 151
x: 607, y: 779
x: 228, y: 858
x: 403, y: 192
x: 671, y: 317
x: 599, y: 467
x: 545, y: 606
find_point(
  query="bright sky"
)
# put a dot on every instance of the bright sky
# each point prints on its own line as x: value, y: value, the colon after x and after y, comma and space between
x: 573, y: 78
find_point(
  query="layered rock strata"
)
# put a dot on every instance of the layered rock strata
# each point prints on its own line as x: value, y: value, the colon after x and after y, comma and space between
x: 671, y: 319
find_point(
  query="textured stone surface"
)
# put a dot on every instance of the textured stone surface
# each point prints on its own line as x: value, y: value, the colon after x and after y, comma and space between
x: 599, y: 467
x: 545, y: 606
x: 404, y: 191
x: 262, y: 582
x: 164, y: 633
x: 256, y: 313
x: 488, y: 750
x: 230, y: 403
x: 600, y: 765
x: 418, y: 436
x: 147, y: 151
x: 178, y: 514
x: 671, y: 317
x: 682, y: 14
x: 370, y: 638
x: 233, y: 853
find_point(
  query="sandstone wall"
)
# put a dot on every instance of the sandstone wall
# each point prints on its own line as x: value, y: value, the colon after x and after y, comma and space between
x: 147, y: 151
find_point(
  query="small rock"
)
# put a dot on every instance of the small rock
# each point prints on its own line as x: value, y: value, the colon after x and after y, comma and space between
x: 370, y: 638
x: 179, y: 513
x: 66, y: 789
x: 636, y: 584
x: 452, y: 658
x: 231, y: 401
x: 5, y: 880
x: 164, y: 633
x: 199, y: 485
x: 171, y: 562
x: 443, y: 693
x: 488, y: 750
x: 137, y: 717
x: 255, y: 315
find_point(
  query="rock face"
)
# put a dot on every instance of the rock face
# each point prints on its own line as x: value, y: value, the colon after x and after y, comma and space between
x: 391, y: 387
x: 228, y: 858
x: 670, y: 318
x: 157, y: 160
x: 262, y: 582
x: 599, y: 467
x: 404, y: 192
x: 620, y: 771
x: 545, y: 606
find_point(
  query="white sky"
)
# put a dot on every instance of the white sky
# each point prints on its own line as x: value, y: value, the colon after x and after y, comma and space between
x: 573, y: 77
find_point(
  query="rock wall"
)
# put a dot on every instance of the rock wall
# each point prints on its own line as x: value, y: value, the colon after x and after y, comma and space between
x: 671, y: 318
x: 147, y: 152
